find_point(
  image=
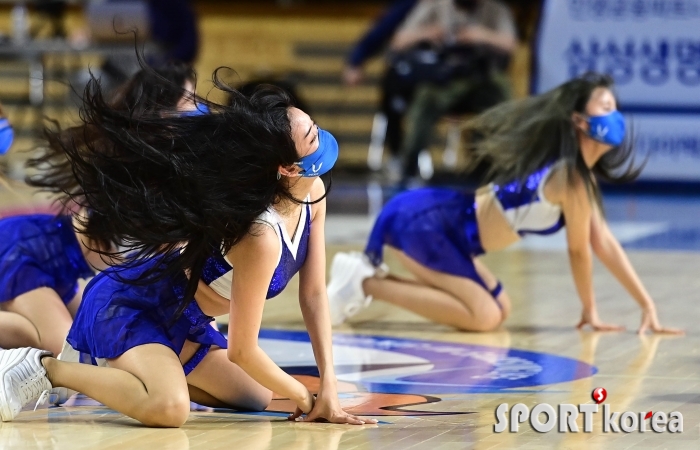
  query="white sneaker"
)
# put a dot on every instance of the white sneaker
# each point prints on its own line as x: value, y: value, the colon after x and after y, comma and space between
x: 22, y: 379
x: 345, y: 294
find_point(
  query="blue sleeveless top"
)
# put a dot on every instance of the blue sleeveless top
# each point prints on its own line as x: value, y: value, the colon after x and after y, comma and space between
x: 218, y: 271
x: 525, y: 206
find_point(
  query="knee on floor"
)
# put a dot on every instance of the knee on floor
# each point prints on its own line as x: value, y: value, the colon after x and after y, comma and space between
x: 486, y: 321
x: 482, y: 326
x: 167, y: 412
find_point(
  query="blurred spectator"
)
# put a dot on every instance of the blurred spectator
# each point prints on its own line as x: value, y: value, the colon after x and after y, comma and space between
x: 395, y: 95
x: 375, y: 39
x: 172, y: 27
x: 456, y: 53
x: 7, y: 134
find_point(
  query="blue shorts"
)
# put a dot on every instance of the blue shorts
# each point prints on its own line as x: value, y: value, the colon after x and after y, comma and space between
x: 40, y: 251
x: 116, y: 316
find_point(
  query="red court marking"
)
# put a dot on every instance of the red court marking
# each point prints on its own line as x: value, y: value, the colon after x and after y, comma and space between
x: 362, y: 403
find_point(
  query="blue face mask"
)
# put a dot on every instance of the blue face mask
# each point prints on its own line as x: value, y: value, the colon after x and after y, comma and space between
x: 323, y: 159
x: 609, y: 129
x: 200, y: 111
x: 7, y: 135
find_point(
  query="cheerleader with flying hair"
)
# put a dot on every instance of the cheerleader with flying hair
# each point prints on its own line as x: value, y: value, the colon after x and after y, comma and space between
x: 43, y: 257
x: 547, y: 153
x: 215, y: 214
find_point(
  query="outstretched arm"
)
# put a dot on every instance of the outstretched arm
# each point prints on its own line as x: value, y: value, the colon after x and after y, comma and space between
x: 576, y: 206
x: 611, y: 254
x: 313, y: 301
x: 254, y: 260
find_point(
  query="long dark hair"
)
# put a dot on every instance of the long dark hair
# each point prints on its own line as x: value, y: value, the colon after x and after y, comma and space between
x: 164, y: 184
x: 150, y: 90
x: 522, y: 136
x: 146, y: 91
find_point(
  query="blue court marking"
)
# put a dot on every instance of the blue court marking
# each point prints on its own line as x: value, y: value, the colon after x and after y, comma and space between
x: 679, y: 213
x: 677, y: 239
x: 447, y: 368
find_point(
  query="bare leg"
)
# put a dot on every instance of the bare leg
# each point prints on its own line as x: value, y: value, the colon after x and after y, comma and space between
x: 146, y: 383
x: 17, y: 331
x: 46, y: 311
x: 405, y: 280
x: 205, y: 399
x: 74, y: 304
x: 491, y: 281
x: 227, y: 383
x: 447, y: 299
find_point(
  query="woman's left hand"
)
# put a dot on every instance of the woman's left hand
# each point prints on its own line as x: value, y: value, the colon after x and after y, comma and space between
x: 651, y: 322
x: 590, y: 317
x: 328, y: 408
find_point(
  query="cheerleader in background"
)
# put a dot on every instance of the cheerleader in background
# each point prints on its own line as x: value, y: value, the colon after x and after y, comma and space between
x: 43, y: 258
x: 548, y: 152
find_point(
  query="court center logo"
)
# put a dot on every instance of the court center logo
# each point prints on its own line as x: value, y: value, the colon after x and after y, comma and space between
x: 385, y: 376
x: 564, y: 417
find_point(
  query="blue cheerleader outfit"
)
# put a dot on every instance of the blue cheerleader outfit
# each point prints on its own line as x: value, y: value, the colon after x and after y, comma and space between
x: 438, y: 227
x: 38, y: 251
x: 116, y: 316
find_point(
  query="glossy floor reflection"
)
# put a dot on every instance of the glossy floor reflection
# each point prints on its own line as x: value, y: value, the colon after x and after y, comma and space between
x: 639, y: 374
x: 433, y: 388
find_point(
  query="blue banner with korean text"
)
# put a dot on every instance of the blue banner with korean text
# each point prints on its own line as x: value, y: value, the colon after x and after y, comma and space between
x: 652, y: 49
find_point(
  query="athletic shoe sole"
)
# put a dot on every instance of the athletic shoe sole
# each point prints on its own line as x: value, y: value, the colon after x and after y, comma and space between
x: 8, y: 360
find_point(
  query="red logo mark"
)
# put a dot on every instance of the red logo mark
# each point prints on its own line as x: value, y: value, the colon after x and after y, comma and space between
x: 649, y: 414
x: 363, y: 403
x: 599, y: 395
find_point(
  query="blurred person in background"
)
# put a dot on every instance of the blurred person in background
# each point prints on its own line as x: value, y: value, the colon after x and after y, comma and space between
x: 456, y: 52
x: 396, y: 94
x: 170, y: 24
x: 174, y: 28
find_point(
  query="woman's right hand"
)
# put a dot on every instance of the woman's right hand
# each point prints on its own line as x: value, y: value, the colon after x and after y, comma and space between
x: 591, y: 318
x: 352, y: 75
x: 304, y: 405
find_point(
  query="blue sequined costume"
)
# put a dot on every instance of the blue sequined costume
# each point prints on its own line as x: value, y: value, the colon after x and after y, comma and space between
x: 40, y: 251
x: 438, y: 227
x: 218, y: 272
x: 116, y: 316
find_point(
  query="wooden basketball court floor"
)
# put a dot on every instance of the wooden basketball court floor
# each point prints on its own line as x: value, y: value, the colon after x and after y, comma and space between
x: 433, y: 388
